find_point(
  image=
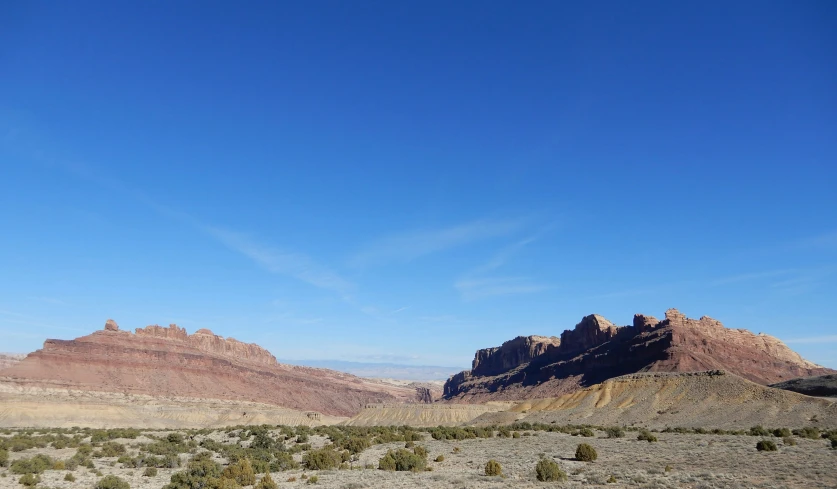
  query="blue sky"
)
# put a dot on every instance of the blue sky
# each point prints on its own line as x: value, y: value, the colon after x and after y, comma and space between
x: 410, y: 181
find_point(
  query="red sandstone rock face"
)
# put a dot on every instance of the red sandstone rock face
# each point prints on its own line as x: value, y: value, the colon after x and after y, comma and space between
x: 596, y: 350
x: 169, y: 362
x: 523, y: 349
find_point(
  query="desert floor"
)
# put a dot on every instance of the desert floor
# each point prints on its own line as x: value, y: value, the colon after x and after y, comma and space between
x: 694, y: 461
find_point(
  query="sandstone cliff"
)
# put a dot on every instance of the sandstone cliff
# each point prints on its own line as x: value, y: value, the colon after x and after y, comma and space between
x: 822, y: 386
x: 168, y: 362
x: 597, y: 350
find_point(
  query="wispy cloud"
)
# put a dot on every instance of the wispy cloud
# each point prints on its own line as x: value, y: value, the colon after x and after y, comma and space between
x: 477, y: 285
x: 408, y: 246
x: 745, y: 277
x: 473, y: 289
x: 293, y: 264
x: 814, y: 339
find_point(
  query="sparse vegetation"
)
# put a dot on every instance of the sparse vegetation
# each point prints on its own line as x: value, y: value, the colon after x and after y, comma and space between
x: 402, y: 460
x: 440, y: 458
x: 150, y: 472
x: 312, y: 480
x: 112, y: 482
x: 29, y: 480
x: 614, y: 432
x: 586, y: 432
x: 323, y: 459
x: 69, y: 477
x: 646, y: 435
x: 586, y: 453
x: 766, y: 446
x: 493, y: 468
x: 241, y: 472
x: 266, y: 482
x: 549, y: 471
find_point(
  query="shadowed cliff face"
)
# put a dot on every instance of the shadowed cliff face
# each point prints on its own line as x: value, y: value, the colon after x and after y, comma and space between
x: 596, y: 350
x: 167, y: 362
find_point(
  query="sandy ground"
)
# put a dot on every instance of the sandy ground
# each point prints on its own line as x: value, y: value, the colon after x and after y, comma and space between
x: 696, y: 461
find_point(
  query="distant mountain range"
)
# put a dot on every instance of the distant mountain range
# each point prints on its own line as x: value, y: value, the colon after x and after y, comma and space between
x: 382, y: 370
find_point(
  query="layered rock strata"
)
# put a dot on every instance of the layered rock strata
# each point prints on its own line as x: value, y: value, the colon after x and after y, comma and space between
x: 597, y: 350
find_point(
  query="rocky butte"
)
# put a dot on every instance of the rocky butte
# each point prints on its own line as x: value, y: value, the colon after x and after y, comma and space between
x: 596, y: 350
x: 169, y: 362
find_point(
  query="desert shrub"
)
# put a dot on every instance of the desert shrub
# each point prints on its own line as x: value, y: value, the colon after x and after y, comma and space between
x: 834, y: 443
x: 409, y: 444
x: 150, y: 472
x: 111, y: 482
x: 284, y: 461
x: 266, y: 483
x: 808, y: 432
x: 241, y: 472
x: 110, y: 449
x: 29, y: 480
x: 549, y: 471
x: 615, y: 432
x: 758, y: 431
x: 440, y: 458
x: 303, y: 438
x: 356, y: 444
x: 4, y: 458
x: 402, y: 460
x: 420, y: 451
x: 646, y: 435
x: 323, y: 459
x: 34, y: 465
x: 788, y: 441
x: 201, y: 472
x: 59, y: 465
x: 504, y: 432
x: 291, y: 479
x: 493, y: 468
x: 313, y: 479
x: 456, y: 449
x: 69, y: 477
x: 586, y: 432
x: 174, y: 438
x: 516, y: 434
x: 766, y: 446
x: 585, y: 453
x: 781, y: 433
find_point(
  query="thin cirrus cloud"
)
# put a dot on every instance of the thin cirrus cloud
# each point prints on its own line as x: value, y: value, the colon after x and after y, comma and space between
x: 408, y: 246
x: 293, y: 264
x: 814, y: 339
x: 473, y: 289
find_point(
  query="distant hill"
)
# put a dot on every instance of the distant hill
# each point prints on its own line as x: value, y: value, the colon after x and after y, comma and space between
x: 597, y: 350
x: 382, y: 370
x: 821, y: 386
x: 168, y: 362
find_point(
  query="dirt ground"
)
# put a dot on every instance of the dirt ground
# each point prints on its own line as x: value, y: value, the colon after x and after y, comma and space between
x: 694, y: 461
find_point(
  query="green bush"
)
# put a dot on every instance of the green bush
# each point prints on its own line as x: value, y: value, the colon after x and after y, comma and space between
x: 493, y: 468
x: 241, y: 472
x: 834, y: 443
x: 266, y: 483
x: 758, y: 431
x: 766, y: 446
x: 402, y: 460
x: 313, y: 479
x: 440, y: 458
x: 586, y: 432
x: 323, y: 459
x: 585, y: 453
x: 69, y: 477
x: 782, y: 433
x: 789, y: 441
x: 549, y: 471
x: 504, y: 432
x: 29, y: 480
x: 4, y: 458
x: 646, y: 435
x: 111, y: 482
x: 808, y: 432
x: 615, y: 432
x: 516, y: 434
x: 303, y: 438
x: 420, y: 451
x: 150, y: 472
x: 174, y: 438
x: 34, y: 465
x: 110, y: 449
x: 284, y: 461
